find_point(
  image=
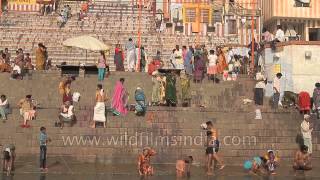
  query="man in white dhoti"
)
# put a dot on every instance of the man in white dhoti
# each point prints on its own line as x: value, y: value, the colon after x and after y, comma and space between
x: 99, y: 108
x: 131, y: 55
x: 179, y: 58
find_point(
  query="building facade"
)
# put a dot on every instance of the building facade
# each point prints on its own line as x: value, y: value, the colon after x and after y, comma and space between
x: 220, y: 18
x: 298, y: 61
x: 298, y: 18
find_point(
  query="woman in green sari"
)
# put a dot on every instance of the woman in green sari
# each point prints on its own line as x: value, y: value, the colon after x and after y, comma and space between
x: 185, y: 90
x: 171, y: 93
x: 155, y: 88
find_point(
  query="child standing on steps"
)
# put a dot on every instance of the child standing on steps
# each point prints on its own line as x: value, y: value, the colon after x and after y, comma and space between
x: 43, y: 149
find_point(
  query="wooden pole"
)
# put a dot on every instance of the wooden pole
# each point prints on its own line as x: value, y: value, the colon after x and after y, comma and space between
x: 139, y: 36
x: 0, y: 7
x: 252, y: 32
x: 198, y: 19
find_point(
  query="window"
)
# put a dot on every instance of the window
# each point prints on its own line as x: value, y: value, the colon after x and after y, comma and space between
x: 302, y: 3
x: 232, y: 26
x: 204, y: 16
x: 217, y: 16
x: 190, y: 15
x: 314, y: 34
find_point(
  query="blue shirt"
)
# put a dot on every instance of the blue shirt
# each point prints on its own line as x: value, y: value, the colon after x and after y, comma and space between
x: 43, y: 139
x: 188, y: 58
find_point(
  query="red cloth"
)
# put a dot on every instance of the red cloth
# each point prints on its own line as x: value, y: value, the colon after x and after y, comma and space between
x: 304, y: 101
x: 67, y: 97
x: 153, y: 66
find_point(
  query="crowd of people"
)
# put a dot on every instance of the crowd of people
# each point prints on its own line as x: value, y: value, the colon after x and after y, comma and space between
x: 64, y: 15
x: 192, y: 64
x: 266, y: 164
x: 22, y: 62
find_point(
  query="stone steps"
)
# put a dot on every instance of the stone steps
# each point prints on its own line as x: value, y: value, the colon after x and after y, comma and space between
x: 240, y: 134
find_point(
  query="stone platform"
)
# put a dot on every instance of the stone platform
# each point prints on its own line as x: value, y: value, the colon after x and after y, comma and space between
x: 173, y: 131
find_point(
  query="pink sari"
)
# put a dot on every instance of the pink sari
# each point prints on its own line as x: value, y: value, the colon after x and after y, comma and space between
x: 119, y: 99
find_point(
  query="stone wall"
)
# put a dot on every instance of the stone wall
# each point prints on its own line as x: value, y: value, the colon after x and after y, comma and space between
x: 299, y: 72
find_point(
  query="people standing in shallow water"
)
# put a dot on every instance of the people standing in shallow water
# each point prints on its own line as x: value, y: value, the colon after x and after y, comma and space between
x: 183, y: 167
x: 271, y: 162
x: 302, y: 159
x: 144, y: 163
x: 254, y: 166
x: 212, y: 150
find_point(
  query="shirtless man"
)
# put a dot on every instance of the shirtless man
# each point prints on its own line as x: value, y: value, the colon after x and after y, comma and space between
x: 183, y: 167
x: 212, y: 150
x: 144, y: 164
x: 100, y: 108
x: 302, y: 159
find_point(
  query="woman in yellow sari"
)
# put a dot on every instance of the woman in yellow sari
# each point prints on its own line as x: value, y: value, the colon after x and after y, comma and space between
x: 40, y: 57
x: 222, y: 63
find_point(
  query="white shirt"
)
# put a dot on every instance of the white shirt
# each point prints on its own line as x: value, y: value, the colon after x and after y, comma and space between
x: 230, y: 56
x: 76, y: 97
x: 305, y: 129
x: 212, y: 59
x: 276, y: 83
x: 8, y: 150
x: 69, y: 113
x: 4, y: 103
x: 178, y: 56
x: 230, y: 67
x: 237, y: 64
x: 261, y: 84
x: 280, y: 35
x: 17, y: 68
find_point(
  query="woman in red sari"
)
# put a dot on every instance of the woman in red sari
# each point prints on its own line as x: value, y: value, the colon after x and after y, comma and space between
x: 304, y: 102
x: 222, y: 63
x: 144, y: 165
x: 118, y: 58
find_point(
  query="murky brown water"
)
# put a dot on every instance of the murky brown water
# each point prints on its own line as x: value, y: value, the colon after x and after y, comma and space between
x: 61, y: 168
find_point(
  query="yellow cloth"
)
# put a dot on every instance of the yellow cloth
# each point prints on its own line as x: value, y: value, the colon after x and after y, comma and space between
x: 40, y: 59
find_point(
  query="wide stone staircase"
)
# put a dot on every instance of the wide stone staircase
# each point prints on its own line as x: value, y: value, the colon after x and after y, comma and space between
x: 172, y: 131
x: 109, y: 21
